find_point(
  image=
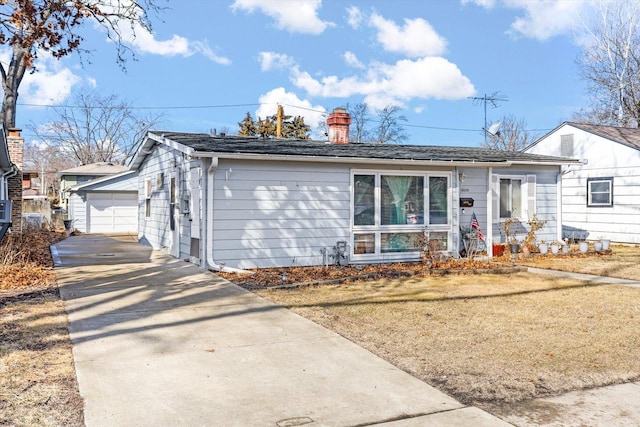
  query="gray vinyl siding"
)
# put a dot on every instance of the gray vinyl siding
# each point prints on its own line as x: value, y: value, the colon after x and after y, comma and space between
x: 474, y: 187
x: 155, y: 230
x: 546, y: 201
x: 278, y: 214
x: 78, y: 211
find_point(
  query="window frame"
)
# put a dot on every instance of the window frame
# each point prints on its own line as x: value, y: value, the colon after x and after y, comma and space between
x: 590, y: 203
x: 363, y: 234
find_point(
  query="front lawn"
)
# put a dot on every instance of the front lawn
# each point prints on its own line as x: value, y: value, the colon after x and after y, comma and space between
x: 486, y: 339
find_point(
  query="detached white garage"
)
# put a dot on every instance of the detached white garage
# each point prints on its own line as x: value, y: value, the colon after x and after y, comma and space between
x: 105, y: 205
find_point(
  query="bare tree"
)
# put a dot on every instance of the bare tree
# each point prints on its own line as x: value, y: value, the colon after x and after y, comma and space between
x: 97, y: 129
x: 360, y: 118
x: 47, y: 159
x: 610, y: 64
x: 53, y: 26
x: 383, y: 127
x: 388, y: 128
x: 511, y: 136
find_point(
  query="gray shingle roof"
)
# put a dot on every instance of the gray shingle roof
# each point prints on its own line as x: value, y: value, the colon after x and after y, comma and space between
x: 626, y: 136
x: 202, y: 142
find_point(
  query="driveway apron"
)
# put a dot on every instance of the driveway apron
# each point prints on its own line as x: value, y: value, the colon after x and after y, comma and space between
x: 159, y: 341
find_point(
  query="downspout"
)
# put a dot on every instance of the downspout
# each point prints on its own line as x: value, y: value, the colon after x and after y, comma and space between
x: 559, y: 201
x: 4, y: 190
x: 489, y: 238
x: 211, y: 264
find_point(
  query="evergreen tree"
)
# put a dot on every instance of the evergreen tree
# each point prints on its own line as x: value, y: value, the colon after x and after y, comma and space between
x: 247, y: 127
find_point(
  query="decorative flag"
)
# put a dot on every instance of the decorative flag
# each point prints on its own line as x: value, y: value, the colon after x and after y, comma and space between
x: 474, y: 224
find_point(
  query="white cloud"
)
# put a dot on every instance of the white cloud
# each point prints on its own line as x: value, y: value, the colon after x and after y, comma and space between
x: 300, y: 16
x: 487, y: 4
x: 271, y: 60
x: 50, y: 84
x: 145, y: 42
x: 423, y: 78
x: 293, y: 106
x: 351, y: 59
x: 354, y: 18
x: 542, y: 19
x: 545, y: 19
x: 417, y: 37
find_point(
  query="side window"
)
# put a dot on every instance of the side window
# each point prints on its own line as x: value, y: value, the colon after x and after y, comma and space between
x: 600, y: 192
x: 147, y: 198
x: 364, y: 208
x: 438, y: 200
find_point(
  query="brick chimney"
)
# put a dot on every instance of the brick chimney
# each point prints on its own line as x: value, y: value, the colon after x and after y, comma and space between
x: 15, y: 144
x: 338, y: 122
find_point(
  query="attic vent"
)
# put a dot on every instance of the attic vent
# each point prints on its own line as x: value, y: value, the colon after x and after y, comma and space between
x: 566, y: 145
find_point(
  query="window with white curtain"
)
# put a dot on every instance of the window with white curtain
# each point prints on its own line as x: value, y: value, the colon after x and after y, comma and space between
x: 390, y: 210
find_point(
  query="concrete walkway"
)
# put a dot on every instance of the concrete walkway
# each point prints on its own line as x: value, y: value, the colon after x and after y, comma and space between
x: 160, y: 342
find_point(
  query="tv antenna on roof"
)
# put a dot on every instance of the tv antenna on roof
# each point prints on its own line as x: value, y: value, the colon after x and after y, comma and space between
x: 492, y: 100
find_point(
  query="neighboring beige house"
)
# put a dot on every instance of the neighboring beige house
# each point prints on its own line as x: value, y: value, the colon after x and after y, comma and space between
x: 81, y: 174
x: 600, y: 195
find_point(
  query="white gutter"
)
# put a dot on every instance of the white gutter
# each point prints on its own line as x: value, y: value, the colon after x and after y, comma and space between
x: 209, y: 224
x: 358, y: 160
x: 404, y: 162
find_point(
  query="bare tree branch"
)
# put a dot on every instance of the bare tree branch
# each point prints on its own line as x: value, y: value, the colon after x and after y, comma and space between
x: 610, y: 64
x: 512, y: 135
x: 97, y: 129
x: 30, y: 26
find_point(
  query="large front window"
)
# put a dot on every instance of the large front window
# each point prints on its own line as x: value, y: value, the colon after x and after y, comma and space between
x: 391, y: 210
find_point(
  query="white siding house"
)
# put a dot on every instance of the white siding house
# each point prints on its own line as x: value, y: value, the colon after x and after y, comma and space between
x: 600, y: 195
x: 237, y: 202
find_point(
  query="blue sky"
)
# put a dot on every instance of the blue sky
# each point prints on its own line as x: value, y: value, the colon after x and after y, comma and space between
x: 210, y: 62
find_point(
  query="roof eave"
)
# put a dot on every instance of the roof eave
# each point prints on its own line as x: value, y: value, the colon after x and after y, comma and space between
x: 367, y: 160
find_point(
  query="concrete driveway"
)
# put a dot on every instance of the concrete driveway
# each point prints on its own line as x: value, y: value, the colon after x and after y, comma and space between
x: 158, y: 341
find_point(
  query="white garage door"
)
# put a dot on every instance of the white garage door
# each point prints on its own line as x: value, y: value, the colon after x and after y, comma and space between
x: 112, y: 212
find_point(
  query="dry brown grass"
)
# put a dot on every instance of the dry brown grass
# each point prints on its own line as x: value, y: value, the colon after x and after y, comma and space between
x: 622, y: 262
x: 487, y: 339
x: 38, y: 384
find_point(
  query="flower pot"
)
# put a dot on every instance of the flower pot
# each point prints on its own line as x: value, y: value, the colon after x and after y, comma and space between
x: 514, y: 248
x: 498, y: 250
x: 555, y: 249
x: 544, y: 248
x: 584, y: 247
x: 605, y: 244
x: 597, y: 246
x: 565, y: 249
